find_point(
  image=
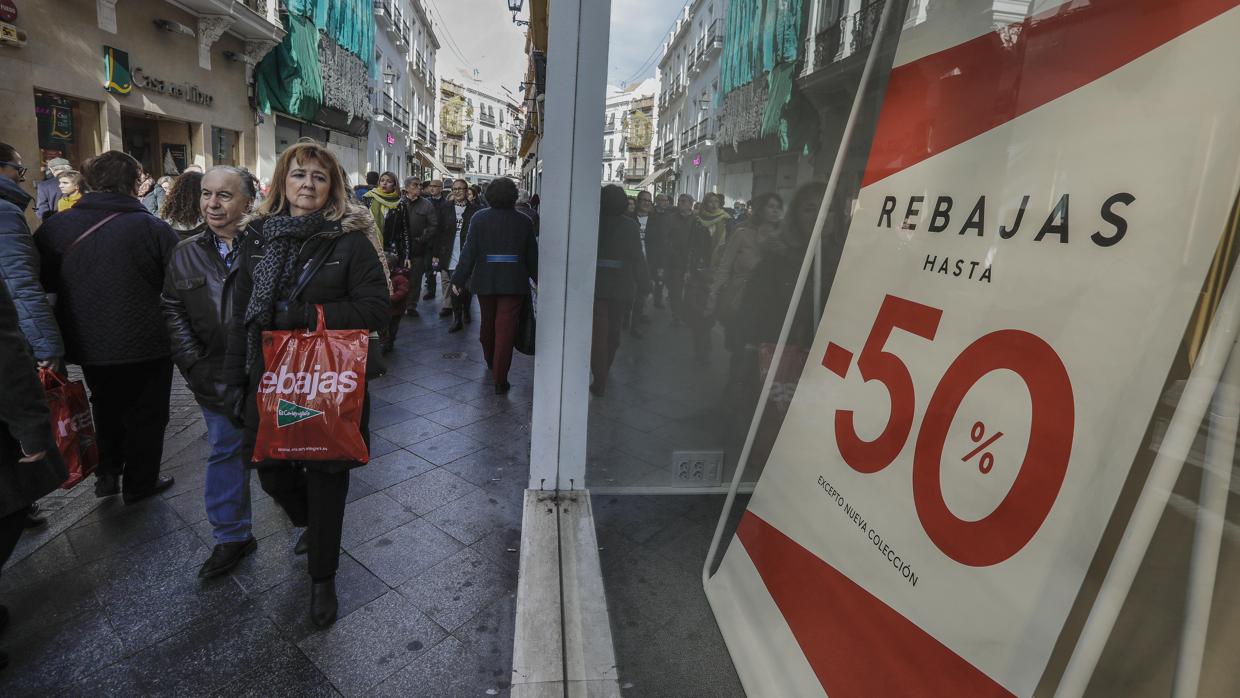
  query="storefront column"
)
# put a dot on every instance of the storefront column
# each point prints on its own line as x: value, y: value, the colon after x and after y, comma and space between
x: 576, y: 80
x: 110, y: 124
x: 264, y: 147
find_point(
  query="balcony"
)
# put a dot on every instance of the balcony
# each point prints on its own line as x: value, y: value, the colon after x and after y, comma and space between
x: 635, y: 173
x: 453, y: 162
x: 419, y: 64
x: 383, y: 14
x: 644, y: 103
x: 434, y: 140
x: 486, y: 147
x: 252, y: 20
x: 421, y: 133
x: 486, y: 119
x: 669, y: 148
x: 609, y: 126
x: 845, y: 36
x: 711, y: 42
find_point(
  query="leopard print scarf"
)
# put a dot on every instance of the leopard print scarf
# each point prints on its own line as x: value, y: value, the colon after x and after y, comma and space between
x: 274, y: 275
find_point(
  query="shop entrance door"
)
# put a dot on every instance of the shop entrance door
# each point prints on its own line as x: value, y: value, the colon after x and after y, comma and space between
x: 163, y: 146
x: 140, y: 138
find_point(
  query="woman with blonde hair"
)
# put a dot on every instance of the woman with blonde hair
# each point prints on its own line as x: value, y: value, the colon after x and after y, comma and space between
x: 308, y: 216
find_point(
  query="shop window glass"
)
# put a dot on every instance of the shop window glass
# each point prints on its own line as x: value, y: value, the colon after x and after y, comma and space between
x: 224, y: 146
x: 966, y: 361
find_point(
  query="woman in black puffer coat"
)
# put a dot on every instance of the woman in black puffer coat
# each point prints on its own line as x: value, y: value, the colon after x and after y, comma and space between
x: 307, y: 214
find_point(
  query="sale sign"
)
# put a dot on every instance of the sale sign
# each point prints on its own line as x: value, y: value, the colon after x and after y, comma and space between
x: 1038, y: 213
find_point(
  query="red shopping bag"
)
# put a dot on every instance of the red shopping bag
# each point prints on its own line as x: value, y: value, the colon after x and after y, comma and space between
x: 311, y: 396
x: 72, y: 425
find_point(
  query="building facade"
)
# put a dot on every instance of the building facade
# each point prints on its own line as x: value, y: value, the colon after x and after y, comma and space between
x: 403, y: 94
x: 688, y: 100
x: 627, y: 133
x: 481, y: 132
x: 168, y: 83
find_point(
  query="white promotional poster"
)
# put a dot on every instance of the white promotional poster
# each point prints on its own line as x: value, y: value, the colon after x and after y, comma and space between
x: 1039, y: 210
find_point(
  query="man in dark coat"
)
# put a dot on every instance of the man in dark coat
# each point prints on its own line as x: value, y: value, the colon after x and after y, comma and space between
x: 48, y: 191
x: 30, y: 465
x: 198, y: 308
x: 410, y: 230
x: 19, y: 266
x: 105, y: 260
x: 432, y: 191
x: 454, y: 218
x: 684, y: 255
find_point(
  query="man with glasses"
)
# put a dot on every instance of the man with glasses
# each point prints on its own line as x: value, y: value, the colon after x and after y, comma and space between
x: 19, y: 270
x: 454, y: 220
x: 432, y: 191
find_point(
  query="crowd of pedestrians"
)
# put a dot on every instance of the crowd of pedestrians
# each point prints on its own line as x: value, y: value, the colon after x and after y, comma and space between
x: 127, y: 276
x: 708, y: 265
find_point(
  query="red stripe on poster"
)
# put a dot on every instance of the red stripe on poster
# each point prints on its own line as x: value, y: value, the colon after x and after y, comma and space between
x: 856, y: 644
x: 942, y: 100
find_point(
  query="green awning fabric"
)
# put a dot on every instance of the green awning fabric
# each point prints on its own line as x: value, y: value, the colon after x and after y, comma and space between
x: 761, y: 51
x: 350, y: 23
x: 290, y: 79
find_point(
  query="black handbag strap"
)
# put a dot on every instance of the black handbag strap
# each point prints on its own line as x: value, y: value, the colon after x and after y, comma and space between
x: 312, y: 267
x: 107, y: 219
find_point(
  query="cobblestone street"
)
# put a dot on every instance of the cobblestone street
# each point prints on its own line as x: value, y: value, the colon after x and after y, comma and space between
x: 105, y: 599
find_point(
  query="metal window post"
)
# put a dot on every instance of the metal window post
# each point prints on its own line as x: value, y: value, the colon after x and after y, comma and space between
x: 568, y: 243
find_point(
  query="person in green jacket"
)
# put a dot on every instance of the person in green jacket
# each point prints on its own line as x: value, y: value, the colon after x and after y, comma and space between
x: 383, y: 199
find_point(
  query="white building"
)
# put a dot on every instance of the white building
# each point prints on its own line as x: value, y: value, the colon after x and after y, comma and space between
x: 489, y: 124
x: 404, y: 95
x: 628, y: 133
x: 689, y: 96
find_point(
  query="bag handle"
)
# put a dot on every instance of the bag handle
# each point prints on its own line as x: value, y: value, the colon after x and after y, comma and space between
x: 50, y: 378
x: 321, y: 324
x: 90, y: 230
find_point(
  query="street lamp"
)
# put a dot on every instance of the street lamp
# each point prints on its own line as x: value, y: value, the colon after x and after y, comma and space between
x: 515, y: 7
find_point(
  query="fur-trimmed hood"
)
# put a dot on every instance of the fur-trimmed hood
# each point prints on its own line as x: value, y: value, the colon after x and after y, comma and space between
x: 356, y: 219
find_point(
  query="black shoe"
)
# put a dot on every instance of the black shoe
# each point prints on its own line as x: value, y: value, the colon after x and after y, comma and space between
x: 323, y: 605
x: 456, y: 326
x: 445, y: 312
x: 413, y: 312
x: 163, y: 483
x: 502, y: 388
x: 34, y: 518
x: 224, y: 557
x: 106, y: 485
x: 303, y: 545
x: 386, y: 349
x: 429, y: 296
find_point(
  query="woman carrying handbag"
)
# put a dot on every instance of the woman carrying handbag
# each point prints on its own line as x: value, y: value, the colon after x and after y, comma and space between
x: 312, y: 247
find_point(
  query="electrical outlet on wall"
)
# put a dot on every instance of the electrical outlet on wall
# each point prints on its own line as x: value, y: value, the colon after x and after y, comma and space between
x: 697, y: 468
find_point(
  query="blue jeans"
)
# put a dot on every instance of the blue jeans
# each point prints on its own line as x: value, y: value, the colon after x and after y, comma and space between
x: 228, y: 481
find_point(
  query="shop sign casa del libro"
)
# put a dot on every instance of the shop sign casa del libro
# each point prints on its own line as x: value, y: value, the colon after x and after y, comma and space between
x: 118, y: 79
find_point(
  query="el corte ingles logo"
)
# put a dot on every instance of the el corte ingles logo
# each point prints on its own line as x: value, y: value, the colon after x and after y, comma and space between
x: 288, y: 413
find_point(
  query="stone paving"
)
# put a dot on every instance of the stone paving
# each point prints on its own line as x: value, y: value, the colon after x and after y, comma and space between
x: 105, y: 600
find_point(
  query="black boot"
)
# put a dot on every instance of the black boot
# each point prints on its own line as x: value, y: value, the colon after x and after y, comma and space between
x: 457, y: 325
x: 323, y: 605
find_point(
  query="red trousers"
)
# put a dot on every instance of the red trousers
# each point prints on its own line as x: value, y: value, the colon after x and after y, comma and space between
x: 608, y: 323
x: 497, y: 331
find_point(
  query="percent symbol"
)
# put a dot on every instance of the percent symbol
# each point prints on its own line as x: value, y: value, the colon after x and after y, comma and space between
x: 987, y: 461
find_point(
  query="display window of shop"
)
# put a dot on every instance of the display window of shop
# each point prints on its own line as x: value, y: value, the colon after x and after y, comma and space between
x: 68, y: 127
x: 224, y: 146
x: 163, y: 146
x: 947, y: 402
